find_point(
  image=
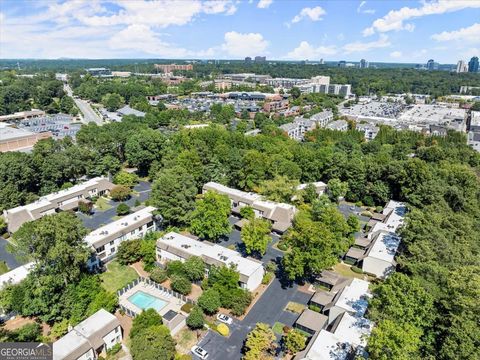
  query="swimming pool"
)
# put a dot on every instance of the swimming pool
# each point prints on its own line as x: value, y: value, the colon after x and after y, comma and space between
x: 144, y: 301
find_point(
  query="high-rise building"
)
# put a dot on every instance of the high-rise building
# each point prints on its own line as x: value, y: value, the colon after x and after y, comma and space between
x: 473, y: 64
x: 321, y: 62
x: 364, y: 64
x: 342, y: 64
x: 248, y: 60
x: 462, y: 66
x: 432, y: 65
x: 260, y: 59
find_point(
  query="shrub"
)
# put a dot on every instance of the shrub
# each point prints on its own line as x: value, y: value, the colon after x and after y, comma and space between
x: 378, y: 209
x: 209, y: 301
x: 126, y: 179
x: 85, y: 207
x: 267, y: 278
x: 282, y: 246
x: 223, y: 329
x: 175, y: 267
x: 247, y: 212
x: 158, y: 275
x: 137, y: 203
x: 366, y: 213
x: 195, y: 319
x: 187, y: 307
x: 114, y: 349
x: 242, y: 300
x: 194, y: 267
x: 357, y: 270
x: 120, y: 193
x: 358, y: 203
x: 314, y: 308
x: 181, y: 284
x: 123, y: 209
x: 271, y: 267
x: 286, y: 329
x: 183, y: 357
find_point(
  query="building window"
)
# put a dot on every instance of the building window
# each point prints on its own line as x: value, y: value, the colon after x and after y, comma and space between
x: 149, y: 224
x: 112, y: 250
x: 100, y: 249
x: 133, y: 232
x: 112, y: 242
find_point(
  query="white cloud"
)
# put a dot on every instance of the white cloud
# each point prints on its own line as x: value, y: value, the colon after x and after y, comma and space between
x: 395, y: 19
x: 367, y: 46
x: 396, y: 54
x: 240, y: 45
x: 469, y: 34
x: 314, y: 14
x: 361, y: 10
x: 264, y: 4
x: 305, y: 51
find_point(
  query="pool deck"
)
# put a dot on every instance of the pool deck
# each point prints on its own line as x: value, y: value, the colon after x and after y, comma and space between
x: 173, y: 303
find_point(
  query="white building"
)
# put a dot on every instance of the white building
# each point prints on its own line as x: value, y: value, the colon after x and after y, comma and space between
x: 280, y: 214
x: 174, y: 246
x: 106, y: 239
x: 296, y: 130
x: 16, y: 275
x: 338, y: 125
x: 352, y: 299
x: 62, y: 200
x: 380, y: 257
x: 462, y: 66
x: 92, y: 337
x: 394, y: 213
x: 369, y: 131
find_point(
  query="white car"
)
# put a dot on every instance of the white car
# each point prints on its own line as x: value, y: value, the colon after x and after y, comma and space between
x: 224, y: 319
x: 198, y: 351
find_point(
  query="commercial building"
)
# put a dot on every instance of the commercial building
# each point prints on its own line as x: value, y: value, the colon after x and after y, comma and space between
x: 127, y: 110
x: 14, y: 139
x: 462, y: 66
x: 260, y: 59
x: 174, y: 246
x: 473, y: 64
x: 23, y: 115
x: 280, y: 214
x: 363, y: 64
x: 432, y: 65
x: 99, y: 72
x: 169, y: 68
x: 62, y: 200
x: 249, y: 77
x: 90, y: 339
x: 106, y: 239
x: 286, y: 83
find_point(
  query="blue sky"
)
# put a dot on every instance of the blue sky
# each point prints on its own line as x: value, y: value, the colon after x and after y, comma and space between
x: 390, y: 31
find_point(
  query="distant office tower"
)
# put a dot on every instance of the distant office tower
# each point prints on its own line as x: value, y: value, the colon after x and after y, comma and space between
x: 321, y: 62
x: 473, y: 64
x: 432, y: 65
x: 248, y: 60
x: 364, y: 64
x: 260, y: 59
x: 342, y: 64
x: 462, y: 66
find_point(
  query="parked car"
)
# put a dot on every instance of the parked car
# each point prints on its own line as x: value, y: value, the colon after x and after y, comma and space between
x: 198, y: 351
x: 224, y: 319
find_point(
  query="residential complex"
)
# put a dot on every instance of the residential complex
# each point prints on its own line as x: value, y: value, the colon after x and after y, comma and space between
x: 62, y: 200
x: 369, y: 131
x: 280, y: 214
x: 106, y: 240
x: 296, y: 130
x: 174, y: 246
x: 90, y: 339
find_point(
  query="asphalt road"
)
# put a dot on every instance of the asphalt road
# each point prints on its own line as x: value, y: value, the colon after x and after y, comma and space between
x: 89, y: 115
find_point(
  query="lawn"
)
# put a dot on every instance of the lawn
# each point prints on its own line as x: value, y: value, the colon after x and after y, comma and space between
x: 117, y: 276
x: 102, y: 204
x: 3, y: 267
x: 345, y: 270
x: 278, y: 328
x: 185, y: 339
x: 295, y: 307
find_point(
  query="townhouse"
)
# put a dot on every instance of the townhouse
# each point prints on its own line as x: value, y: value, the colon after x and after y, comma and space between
x: 90, y: 339
x: 296, y: 130
x: 174, y: 246
x: 62, y: 200
x: 280, y: 214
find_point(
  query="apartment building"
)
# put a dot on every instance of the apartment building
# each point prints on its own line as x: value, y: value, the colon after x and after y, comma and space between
x: 286, y: 83
x: 296, y: 130
x: 90, y: 339
x: 273, y: 106
x: 369, y: 131
x: 338, y: 125
x: 174, y: 246
x: 106, y: 239
x: 280, y: 214
x: 62, y: 200
x: 379, y: 258
x: 169, y: 68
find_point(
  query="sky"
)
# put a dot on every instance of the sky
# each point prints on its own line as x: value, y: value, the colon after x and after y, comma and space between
x: 378, y: 31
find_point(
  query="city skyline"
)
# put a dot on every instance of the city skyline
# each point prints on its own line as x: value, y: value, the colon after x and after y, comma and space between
x: 394, y: 31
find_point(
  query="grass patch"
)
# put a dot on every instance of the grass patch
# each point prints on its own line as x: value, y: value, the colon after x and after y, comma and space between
x: 102, y: 204
x: 345, y: 270
x: 117, y: 276
x: 278, y: 328
x: 295, y: 307
x: 3, y: 267
x: 116, y: 217
x: 304, y: 333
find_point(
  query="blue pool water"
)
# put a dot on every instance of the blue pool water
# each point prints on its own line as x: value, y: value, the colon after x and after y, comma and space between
x: 144, y: 301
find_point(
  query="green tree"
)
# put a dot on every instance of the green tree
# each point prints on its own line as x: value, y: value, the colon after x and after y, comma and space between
x: 280, y: 189
x: 153, y: 343
x: 176, y: 267
x: 247, y: 212
x: 129, y: 252
x: 120, y: 193
x: 336, y: 189
x: 294, y: 341
x: 353, y: 223
x: 181, y: 284
x: 256, y: 235
x: 158, y: 275
x: 210, y: 217
x: 113, y: 101
x: 194, y: 268
x: 143, y: 148
x: 123, y: 209
x: 195, y: 319
x: 259, y: 342
x: 309, y: 194
x: 209, y: 301
x: 295, y: 92
x: 126, y: 179
x: 147, y: 318
x: 173, y: 194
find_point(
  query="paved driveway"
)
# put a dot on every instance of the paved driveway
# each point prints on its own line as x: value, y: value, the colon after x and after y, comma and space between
x: 9, y: 259
x: 100, y: 218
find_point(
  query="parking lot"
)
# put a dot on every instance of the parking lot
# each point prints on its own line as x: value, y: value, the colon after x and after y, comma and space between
x: 60, y: 125
x: 374, y: 109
